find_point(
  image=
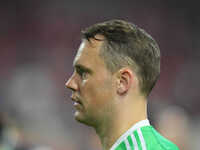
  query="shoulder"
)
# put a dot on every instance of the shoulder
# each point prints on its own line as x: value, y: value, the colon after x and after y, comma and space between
x: 154, y: 140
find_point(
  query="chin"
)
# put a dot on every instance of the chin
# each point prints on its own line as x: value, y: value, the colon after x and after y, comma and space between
x: 80, y: 117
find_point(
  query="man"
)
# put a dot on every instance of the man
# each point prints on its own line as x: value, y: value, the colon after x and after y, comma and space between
x: 116, y: 67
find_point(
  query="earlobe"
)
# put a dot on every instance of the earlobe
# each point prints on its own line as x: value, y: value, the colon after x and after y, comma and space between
x: 121, y: 90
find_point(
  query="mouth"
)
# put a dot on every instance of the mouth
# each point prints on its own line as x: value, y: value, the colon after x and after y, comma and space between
x: 76, y: 100
x: 77, y: 103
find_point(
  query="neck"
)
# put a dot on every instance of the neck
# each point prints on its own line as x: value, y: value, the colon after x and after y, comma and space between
x: 124, y: 119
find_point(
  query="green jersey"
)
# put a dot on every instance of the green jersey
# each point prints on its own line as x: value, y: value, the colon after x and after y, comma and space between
x: 142, y: 136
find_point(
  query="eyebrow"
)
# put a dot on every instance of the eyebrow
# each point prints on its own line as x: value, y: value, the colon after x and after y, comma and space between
x: 83, y: 68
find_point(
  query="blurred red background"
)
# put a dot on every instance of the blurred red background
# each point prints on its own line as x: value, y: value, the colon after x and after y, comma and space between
x: 38, y: 40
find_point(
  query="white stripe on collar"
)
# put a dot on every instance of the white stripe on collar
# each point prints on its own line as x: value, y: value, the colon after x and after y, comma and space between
x: 129, y: 131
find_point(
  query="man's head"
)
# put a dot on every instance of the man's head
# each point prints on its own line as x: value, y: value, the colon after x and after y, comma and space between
x: 115, y: 58
x: 125, y: 44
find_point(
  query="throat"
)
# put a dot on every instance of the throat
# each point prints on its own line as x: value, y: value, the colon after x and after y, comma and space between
x: 110, y: 133
x: 107, y: 136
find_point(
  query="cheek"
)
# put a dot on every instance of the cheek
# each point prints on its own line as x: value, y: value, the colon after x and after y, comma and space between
x: 97, y: 93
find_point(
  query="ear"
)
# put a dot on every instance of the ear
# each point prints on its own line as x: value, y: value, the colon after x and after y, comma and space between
x: 124, y: 80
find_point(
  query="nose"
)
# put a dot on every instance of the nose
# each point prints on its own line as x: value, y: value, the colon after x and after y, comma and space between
x: 71, y: 83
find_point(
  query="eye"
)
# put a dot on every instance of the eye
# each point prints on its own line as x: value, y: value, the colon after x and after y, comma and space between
x: 82, y: 73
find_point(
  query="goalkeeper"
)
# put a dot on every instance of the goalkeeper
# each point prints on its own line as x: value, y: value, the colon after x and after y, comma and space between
x: 115, y: 69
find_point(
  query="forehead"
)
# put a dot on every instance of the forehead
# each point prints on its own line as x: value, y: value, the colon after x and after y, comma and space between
x: 88, y: 52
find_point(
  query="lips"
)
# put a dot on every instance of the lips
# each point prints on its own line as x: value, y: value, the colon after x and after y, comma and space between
x: 77, y: 103
x: 76, y: 100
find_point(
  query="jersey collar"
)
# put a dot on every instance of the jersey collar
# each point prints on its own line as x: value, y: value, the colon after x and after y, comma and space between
x: 136, y: 126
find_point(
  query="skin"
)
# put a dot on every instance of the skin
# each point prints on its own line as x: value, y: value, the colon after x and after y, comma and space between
x: 109, y: 102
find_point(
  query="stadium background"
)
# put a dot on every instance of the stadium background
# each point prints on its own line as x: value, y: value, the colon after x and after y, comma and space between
x: 38, y: 40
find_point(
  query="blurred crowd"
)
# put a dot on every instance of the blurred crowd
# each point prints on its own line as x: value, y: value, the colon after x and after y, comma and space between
x: 38, y: 40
